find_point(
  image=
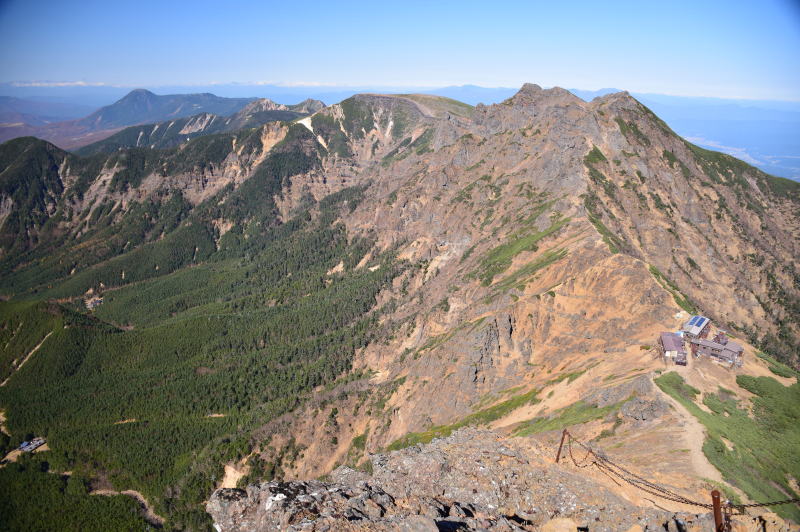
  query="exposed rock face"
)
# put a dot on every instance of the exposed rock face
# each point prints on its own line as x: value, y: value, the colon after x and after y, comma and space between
x: 469, y: 481
x: 307, y: 106
x: 263, y: 104
x: 638, y: 222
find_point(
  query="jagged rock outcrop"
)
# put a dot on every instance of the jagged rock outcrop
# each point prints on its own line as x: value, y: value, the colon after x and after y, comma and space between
x: 472, y: 480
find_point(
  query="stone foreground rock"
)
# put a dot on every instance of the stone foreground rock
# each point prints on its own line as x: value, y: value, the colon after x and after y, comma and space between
x: 472, y: 480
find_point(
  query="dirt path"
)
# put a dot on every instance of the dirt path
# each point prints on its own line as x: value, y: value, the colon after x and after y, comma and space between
x: 3, y: 428
x: 151, y: 517
x: 16, y: 453
x: 231, y: 477
x: 11, y: 456
x: 694, y: 434
x: 29, y: 355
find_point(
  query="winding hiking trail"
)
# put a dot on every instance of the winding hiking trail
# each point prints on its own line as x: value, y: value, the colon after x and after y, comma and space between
x: 150, y: 515
x: 29, y: 355
x: 694, y: 434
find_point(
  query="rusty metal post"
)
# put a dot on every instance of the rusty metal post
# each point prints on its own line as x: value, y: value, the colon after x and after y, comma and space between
x: 719, y: 524
x: 560, y: 445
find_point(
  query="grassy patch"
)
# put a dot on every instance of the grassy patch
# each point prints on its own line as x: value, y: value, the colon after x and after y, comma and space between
x: 465, y: 194
x: 631, y: 130
x: 569, y: 377
x: 612, y: 241
x: 763, y: 457
x: 574, y: 414
x: 499, y: 259
x: 519, y: 278
x: 422, y: 144
x: 595, y: 156
x: 606, y: 433
x: 359, y: 442
x: 674, y: 385
x: 467, y: 253
x: 672, y: 160
x: 778, y: 368
x: 481, y: 417
x: 476, y: 165
x: 397, y: 153
x: 673, y: 289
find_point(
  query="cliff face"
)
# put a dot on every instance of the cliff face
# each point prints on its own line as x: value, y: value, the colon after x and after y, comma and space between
x: 552, y: 237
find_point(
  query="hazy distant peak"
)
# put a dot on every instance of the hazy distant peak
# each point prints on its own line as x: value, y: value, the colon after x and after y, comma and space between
x: 309, y: 105
x: 532, y: 94
x: 263, y: 104
x: 138, y: 94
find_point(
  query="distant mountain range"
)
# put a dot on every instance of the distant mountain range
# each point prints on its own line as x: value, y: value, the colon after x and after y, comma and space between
x: 137, y: 107
x: 35, y: 112
x: 762, y: 132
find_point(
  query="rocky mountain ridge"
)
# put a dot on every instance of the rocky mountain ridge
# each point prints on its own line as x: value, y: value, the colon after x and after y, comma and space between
x: 171, y: 133
x: 532, y: 252
x: 615, y: 186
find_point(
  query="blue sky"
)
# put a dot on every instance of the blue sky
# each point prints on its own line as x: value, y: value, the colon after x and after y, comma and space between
x: 732, y: 49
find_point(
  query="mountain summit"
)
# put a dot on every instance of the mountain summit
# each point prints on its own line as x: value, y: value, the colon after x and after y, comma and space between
x: 142, y: 106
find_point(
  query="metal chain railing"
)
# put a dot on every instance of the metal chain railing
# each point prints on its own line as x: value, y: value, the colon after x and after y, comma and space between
x: 619, y: 473
x: 796, y: 500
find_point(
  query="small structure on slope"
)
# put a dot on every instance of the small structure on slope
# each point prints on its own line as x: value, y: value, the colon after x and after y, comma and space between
x: 30, y: 446
x: 93, y: 299
x: 696, y: 327
x: 94, y: 302
x: 727, y: 353
x: 671, y: 345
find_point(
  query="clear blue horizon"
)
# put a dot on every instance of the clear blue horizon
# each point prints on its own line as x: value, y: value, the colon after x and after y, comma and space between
x: 731, y: 49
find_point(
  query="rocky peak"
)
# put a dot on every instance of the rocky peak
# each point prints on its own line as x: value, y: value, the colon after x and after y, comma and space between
x: 533, y: 106
x: 308, y: 105
x: 137, y: 95
x: 616, y: 101
x: 263, y: 104
x: 531, y: 95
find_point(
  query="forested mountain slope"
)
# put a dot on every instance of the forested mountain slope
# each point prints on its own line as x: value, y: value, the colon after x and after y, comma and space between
x: 289, y: 298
